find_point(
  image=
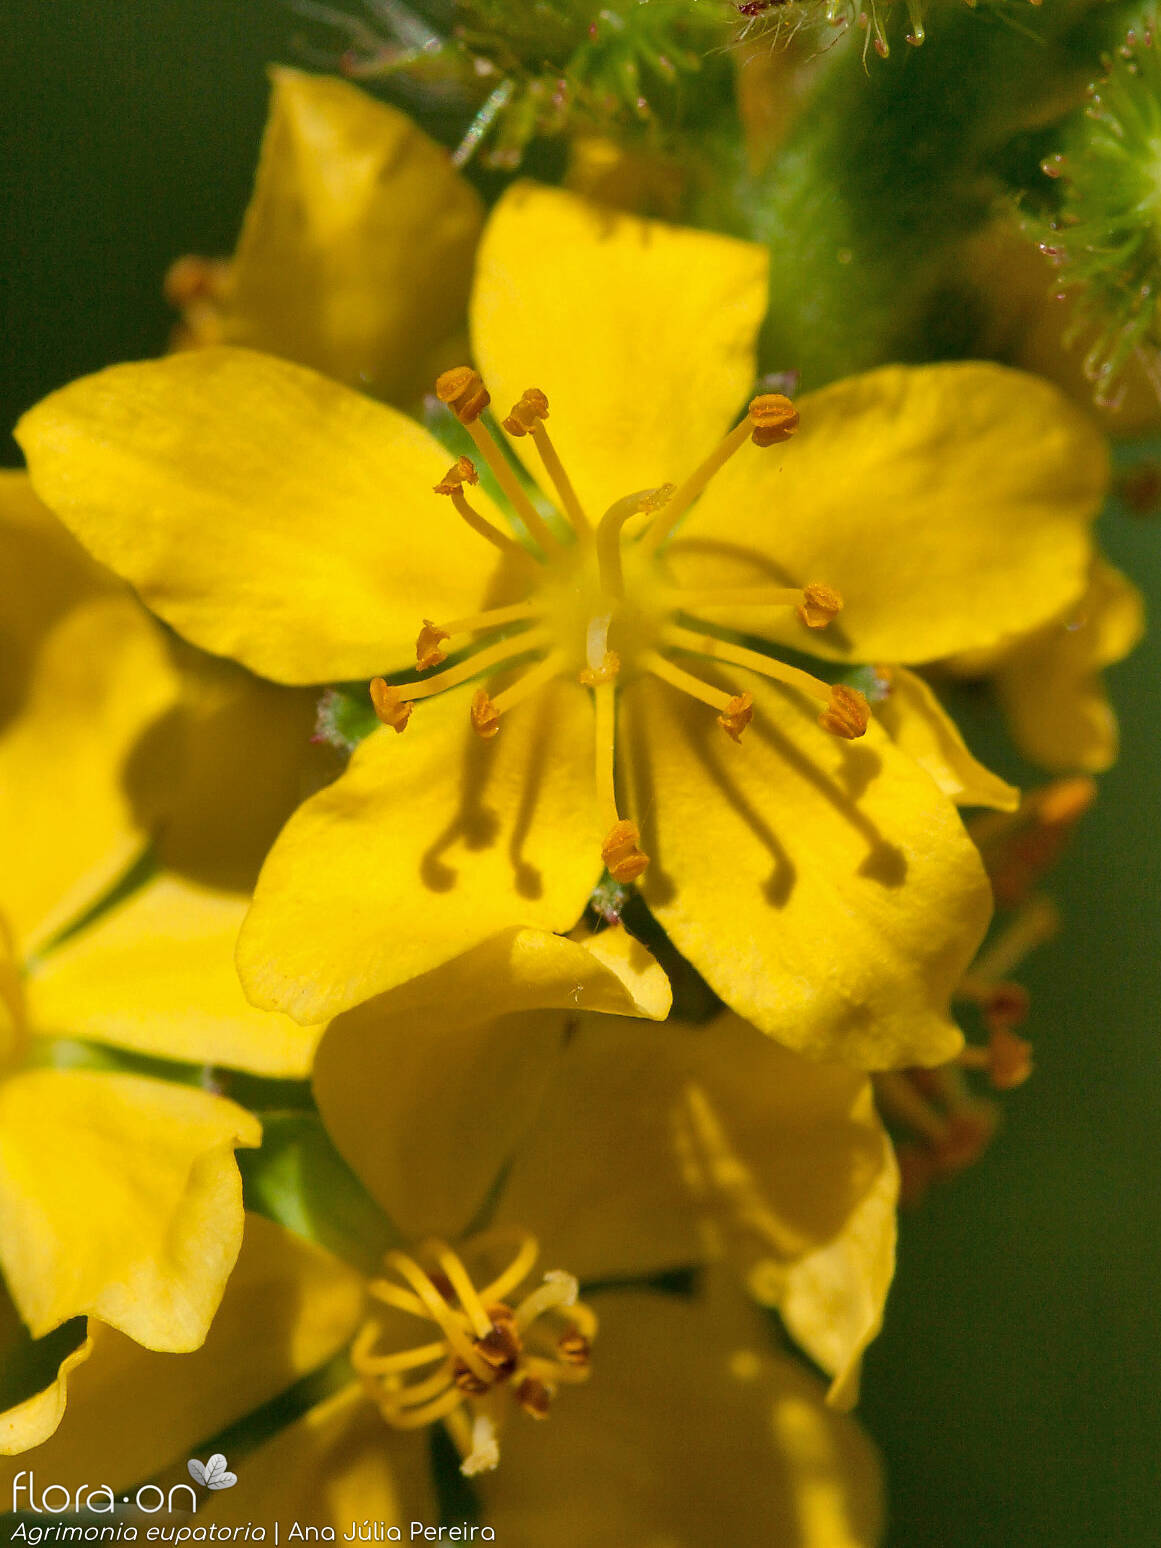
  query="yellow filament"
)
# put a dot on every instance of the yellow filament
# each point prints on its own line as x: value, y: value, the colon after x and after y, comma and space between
x: 685, y: 681
x: 609, y: 532
x: 440, y: 1313
x: 687, y: 493
x: 493, y: 618
x: 510, y: 484
x: 902, y: 1101
x: 462, y: 1285
x: 392, y: 1295
x: 421, y: 1392
x: 481, y: 525
x: 533, y: 680
x: 438, y: 1408
x: 552, y: 1372
x: 738, y: 655
x: 605, y: 720
x: 1037, y: 922
x: 404, y: 1360
x: 503, y: 650
x: 692, y: 600
x: 560, y: 1290
x: 516, y: 1272
x: 560, y: 479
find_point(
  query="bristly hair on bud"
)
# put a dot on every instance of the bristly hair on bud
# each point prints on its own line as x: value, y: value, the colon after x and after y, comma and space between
x: 1102, y: 230
x: 519, y: 71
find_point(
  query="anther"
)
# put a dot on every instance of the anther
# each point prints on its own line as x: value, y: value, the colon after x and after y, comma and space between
x: 427, y: 647
x: 534, y: 1397
x: 773, y: 417
x: 485, y: 719
x: 847, y: 714
x: 737, y: 715
x: 610, y: 667
x: 467, y: 1381
x: 391, y: 708
x: 819, y: 605
x: 533, y: 406
x: 500, y: 1346
x: 462, y: 471
x: 621, y: 852
x: 463, y: 390
x: 573, y: 1347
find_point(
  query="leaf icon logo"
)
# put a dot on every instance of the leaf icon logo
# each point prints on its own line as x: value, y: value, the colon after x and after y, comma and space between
x: 213, y: 1474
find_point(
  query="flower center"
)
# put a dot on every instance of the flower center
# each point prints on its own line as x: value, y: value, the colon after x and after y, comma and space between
x: 601, y: 606
x: 489, y: 1355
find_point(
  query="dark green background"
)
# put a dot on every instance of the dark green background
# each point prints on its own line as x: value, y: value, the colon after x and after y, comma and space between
x: 1016, y: 1389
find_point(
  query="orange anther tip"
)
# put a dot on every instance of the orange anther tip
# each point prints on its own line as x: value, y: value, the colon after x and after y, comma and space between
x: 847, y: 714
x: 390, y: 706
x: 427, y: 651
x: 622, y: 853
x: 463, y: 390
x: 462, y: 471
x: 593, y: 677
x: 192, y: 278
x: 534, y: 1397
x: 773, y: 417
x: 737, y: 715
x: 819, y: 605
x: 533, y: 406
x: 1065, y: 801
x: 485, y: 720
x: 1009, y: 1059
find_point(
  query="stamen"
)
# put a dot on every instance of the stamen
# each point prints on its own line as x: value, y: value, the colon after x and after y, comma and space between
x: 516, y: 1272
x: 389, y: 705
x: 486, y: 711
x: 735, y: 710
x: 439, y: 1311
x: 463, y: 390
x: 464, y: 1289
x: 643, y: 503
x: 819, y: 605
x: 624, y: 858
x: 432, y: 635
x: 1007, y: 1059
x: 527, y: 418
x: 1035, y: 923
x: 847, y: 713
x: 621, y: 851
x: 573, y: 1347
x: 770, y: 418
x: 815, y: 604
x: 464, y: 472
x: 534, y: 1397
x: 558, y: 1289
x: 465, y: 394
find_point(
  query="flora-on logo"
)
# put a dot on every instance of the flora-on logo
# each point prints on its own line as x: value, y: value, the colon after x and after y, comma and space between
x: 213, y: 1474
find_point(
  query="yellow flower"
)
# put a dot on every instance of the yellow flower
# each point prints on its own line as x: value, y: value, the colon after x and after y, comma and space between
x: 356, y: 250
x: 825, y: 890
x: 624, y: 1149
x: 1049, y: 683
x: 119, y: 1195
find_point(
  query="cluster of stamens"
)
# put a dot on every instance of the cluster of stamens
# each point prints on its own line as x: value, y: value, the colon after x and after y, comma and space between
x: 489, y: 1355
x: 580, y: 559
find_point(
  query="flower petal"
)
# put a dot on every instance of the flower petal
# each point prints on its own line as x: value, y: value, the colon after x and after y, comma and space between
x: 120, y: 1199
x: 832, y: 1301
x: 84, y: 673
x: 692, y: 1433
x: 336, y: 1465
x: 642, y: 335
x: 825, y: 889
x: 156, y: 974
x: 430, y: 843
x: 427, y: 1090
x: 948, y: 504
x: 356, y: 253
x: 919, y: 725
x: 265, y: 512
x: 686, y: 1126
x: 34, y: 1376
x: 132, y: 1411
x: 1050, y: 685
